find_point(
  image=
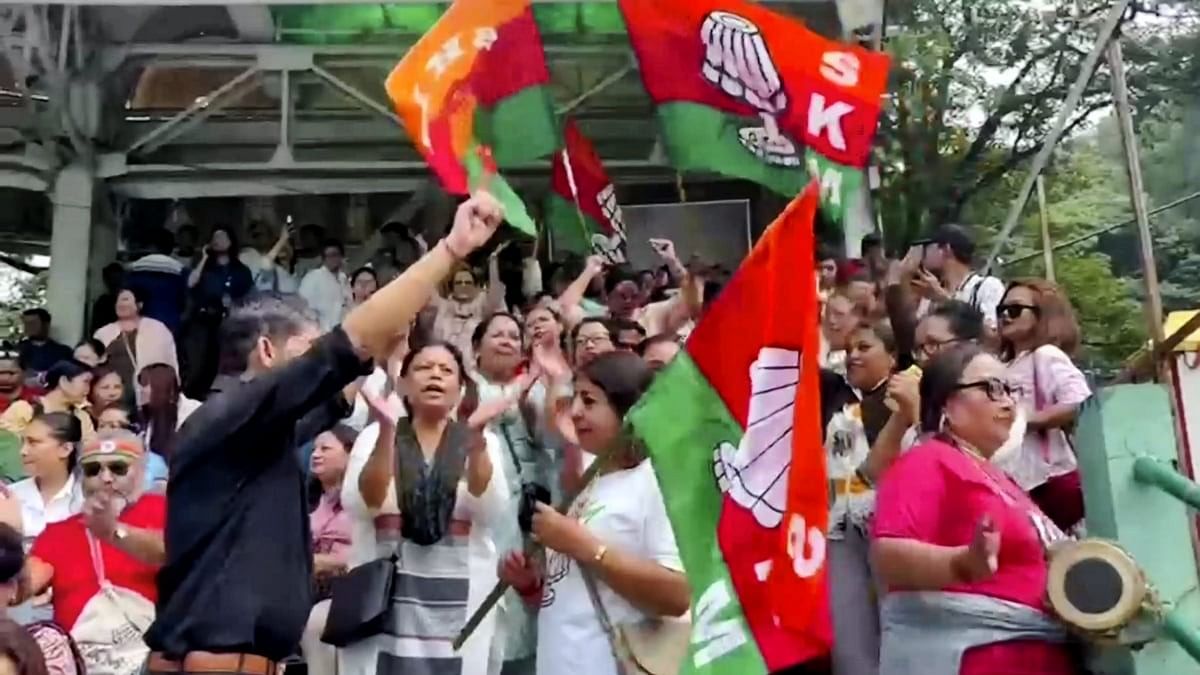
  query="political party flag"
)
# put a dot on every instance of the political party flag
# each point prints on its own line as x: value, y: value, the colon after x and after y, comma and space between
x: 582, y: 209
x: 478, y: 78
x: 733, y: 427
x: 747, y: 92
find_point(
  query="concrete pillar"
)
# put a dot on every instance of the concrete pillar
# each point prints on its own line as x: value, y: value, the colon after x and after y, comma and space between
x: 70, y: 244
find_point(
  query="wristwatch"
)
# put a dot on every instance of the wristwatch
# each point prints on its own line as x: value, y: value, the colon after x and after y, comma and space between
x: 120, y: 533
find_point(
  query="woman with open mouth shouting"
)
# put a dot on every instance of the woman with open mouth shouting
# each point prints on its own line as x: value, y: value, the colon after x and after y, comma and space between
x: 446, y: 476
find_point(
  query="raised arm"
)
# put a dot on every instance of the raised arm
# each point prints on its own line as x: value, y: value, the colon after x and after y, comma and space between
x: 268, y: 260
x: 573, y: 295
x: 373, y: 325
x: 377, y: 472
x: 198, y: 270
x: 494, y: 300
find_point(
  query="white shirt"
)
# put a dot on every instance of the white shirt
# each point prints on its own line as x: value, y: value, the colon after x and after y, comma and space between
x: 328, y: 295
x: 982, y: 293
x: 268, y: 276
x: 36, y: 514
x: 625, y: 509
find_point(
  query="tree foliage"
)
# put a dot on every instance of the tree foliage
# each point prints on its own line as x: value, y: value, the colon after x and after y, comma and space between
x: 976, y: 88
x: 21, y: 291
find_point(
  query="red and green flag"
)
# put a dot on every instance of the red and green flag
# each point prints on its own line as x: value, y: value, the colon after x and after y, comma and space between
x: 733, y: 428
x: 582, y: 209
x: 478, y: 79
x: 747, y: 92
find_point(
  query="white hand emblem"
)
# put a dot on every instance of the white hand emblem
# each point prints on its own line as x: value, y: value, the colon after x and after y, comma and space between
x: 736, y: 60
x: 755, y: 473
x: 611, y: 247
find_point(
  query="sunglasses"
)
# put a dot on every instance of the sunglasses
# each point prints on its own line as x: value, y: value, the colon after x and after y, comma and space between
x: 93, y: 469
x: 1013, y: 312
x: 996, y: 389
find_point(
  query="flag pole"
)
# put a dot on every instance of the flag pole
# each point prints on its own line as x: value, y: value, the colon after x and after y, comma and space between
x: 583, y: 228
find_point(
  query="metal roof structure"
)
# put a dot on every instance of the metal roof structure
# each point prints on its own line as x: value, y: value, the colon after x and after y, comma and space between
x: 180, y: 100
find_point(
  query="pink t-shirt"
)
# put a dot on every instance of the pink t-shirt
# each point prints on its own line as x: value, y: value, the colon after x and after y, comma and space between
x: 1040, y: 379
x: 936, y: 493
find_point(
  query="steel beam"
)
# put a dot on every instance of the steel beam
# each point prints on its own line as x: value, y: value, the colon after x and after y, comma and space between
x: 355, y: 94
x: 200, y: 108
x: 600, y: 86
x: 252, y: 50
x: 185, y: 3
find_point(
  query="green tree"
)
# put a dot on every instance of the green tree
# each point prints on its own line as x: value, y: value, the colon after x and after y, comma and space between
x: 21, y: 291
x: 976, y: 87
x: 1084, y: 191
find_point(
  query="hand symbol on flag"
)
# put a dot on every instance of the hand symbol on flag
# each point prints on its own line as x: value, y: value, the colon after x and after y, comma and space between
x: 736, y: 59
x: 754, y: 474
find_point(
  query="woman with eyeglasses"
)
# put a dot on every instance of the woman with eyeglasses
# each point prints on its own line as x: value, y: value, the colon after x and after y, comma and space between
x: 456, y: 315
x: 961, y: 547
x: 1038, y: 336
x: 590, y: 338
x: 363, y: 284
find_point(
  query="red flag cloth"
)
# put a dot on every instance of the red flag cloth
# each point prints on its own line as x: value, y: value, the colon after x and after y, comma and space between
x: 773, y: 522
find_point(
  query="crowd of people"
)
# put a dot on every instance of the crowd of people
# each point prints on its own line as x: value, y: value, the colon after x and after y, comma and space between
x: 260, y: 458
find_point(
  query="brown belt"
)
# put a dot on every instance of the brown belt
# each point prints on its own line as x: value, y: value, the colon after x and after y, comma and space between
x: 207, y: 662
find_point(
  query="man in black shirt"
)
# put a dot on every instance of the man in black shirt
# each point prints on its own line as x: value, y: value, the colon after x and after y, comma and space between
x: 38, y: 353
x: 234, y: 594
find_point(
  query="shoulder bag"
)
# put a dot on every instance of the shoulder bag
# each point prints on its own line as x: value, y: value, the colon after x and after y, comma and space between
x: 109, y: 629
x: 649, y: 647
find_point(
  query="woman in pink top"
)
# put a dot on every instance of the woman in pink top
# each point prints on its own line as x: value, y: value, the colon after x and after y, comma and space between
x: 961, y: 548
x: 331, y: 528
x: 1038, y: 334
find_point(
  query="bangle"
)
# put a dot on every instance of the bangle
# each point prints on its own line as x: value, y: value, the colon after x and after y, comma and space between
x: 449, y: 249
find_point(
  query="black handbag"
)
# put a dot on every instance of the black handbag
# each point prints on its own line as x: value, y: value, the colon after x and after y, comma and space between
x: 360, y: 602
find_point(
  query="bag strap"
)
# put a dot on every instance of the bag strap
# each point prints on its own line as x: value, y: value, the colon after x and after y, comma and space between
x: 1038, y: 401
x: 620, y: 650
x: 97, y: 556
x: 105, y: 585
x: 129, y: 349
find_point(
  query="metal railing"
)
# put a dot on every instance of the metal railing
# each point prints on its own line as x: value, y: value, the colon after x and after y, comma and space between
x: 1153, y: 473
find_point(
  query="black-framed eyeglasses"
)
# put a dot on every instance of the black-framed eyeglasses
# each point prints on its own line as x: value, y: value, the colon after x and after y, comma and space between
x: 1013, y: 311
x: 995, y: 388
x: 934, y: 347
x: 93, y: 469
x: 598, y: 340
